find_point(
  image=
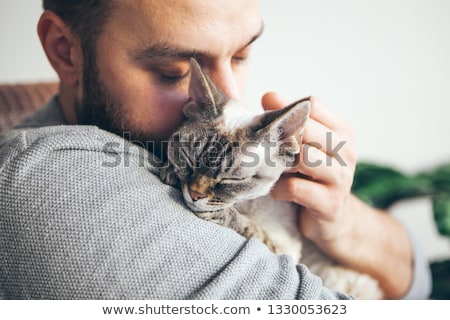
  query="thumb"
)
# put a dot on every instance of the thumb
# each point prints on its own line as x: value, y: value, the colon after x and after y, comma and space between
x: 273, y: 101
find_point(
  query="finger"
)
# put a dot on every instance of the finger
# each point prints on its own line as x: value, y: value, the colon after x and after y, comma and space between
x: 319, y: 112
x: 324, y: 115
x: 320, y: 167
x: 310, y: 194
x: 322, y: 138
x: 273, y: 101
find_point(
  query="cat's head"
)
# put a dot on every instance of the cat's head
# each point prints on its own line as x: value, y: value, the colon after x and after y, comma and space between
x: 222, y: 154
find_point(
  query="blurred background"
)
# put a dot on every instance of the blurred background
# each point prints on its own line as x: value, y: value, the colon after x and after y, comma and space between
x: 384, y: 66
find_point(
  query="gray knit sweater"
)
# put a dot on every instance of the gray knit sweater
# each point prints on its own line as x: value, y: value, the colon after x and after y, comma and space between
x: 84, y: 216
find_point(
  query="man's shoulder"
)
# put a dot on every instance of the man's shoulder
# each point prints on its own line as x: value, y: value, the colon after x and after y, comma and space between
x: 63, y: 137
x: 83, y: 158
x: 46, y: 131
x: 83, y: 166
x: 31, y: 135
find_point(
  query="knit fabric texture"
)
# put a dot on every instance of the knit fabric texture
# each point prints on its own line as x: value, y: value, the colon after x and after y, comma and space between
x: 84, y: 215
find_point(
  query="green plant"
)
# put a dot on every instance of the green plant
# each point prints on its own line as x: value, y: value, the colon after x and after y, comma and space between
x: 382, y: 186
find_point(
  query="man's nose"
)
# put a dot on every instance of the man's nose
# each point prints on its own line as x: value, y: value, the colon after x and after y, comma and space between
x: 224, y: 78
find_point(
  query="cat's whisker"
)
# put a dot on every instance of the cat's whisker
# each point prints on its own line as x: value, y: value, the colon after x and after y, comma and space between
x: 216, y: 203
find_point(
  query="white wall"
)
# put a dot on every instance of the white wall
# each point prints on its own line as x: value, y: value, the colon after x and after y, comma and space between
x: 21, y: 56
x: 384, y: 65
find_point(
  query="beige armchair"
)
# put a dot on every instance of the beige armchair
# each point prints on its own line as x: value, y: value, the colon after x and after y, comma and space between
x: 18, y: 101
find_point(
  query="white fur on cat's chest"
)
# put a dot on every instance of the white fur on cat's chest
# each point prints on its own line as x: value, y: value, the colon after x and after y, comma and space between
x: 280, y: 220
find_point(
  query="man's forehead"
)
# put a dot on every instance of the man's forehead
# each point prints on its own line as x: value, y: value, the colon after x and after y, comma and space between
x: 177, y: 28
x: 167, y: 8
x: 168, y: 50
x: 181, y: 14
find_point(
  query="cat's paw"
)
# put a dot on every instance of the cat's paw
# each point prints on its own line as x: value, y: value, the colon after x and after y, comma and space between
x: 359, y: 285
x: 167, y: 175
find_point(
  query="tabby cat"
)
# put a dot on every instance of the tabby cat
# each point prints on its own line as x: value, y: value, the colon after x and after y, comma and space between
x: 225, y: 160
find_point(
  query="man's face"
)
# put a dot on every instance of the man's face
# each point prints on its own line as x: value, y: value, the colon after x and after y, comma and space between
x: 142, y: 62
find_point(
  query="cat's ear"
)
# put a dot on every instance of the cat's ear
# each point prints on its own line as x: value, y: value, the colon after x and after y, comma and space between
x: 206, y: 98
x: 284, y: 124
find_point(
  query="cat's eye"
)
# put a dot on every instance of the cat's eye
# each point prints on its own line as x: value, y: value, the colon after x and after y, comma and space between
x: 234, y: 180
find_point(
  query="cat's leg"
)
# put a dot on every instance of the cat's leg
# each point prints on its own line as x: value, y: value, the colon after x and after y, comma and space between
x: 168, y: 176
x: 337, y: 277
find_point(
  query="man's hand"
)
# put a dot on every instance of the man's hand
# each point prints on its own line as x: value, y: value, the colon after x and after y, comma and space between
x: 356, y: 235
x: 327, y: 160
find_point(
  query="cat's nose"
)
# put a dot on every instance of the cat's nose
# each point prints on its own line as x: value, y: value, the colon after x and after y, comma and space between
x: 196, y: 195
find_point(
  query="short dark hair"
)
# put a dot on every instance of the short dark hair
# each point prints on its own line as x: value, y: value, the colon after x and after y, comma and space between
x: 85, y: 18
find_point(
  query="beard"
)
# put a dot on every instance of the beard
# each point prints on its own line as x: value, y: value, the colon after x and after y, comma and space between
x: 98, y: 108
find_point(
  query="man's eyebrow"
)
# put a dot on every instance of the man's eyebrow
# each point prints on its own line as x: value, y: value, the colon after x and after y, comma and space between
x: 167, y: 50
x: 164, y: 51
x: 256, y: 36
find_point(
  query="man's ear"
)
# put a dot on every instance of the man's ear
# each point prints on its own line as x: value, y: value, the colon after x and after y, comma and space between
x: 62, y: 48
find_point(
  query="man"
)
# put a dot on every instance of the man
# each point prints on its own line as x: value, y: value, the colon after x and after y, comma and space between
x: 74, y: 225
